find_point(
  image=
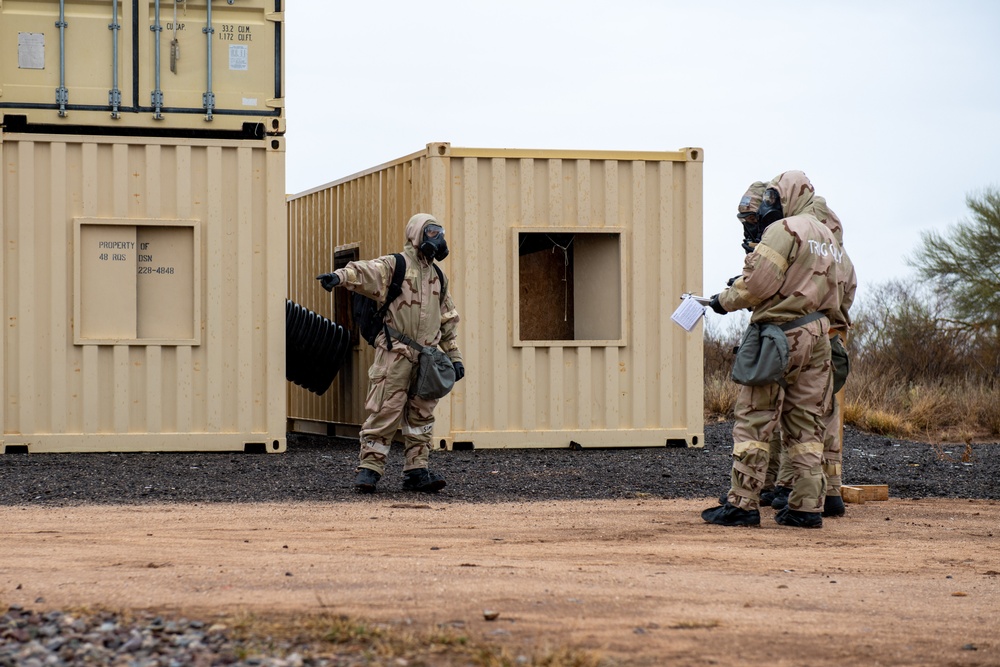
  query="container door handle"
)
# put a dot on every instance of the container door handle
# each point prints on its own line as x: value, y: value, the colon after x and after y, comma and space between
x: 208, y: 99
x: 115, y: 94
x: 62, y: 95
x: 156, y: 98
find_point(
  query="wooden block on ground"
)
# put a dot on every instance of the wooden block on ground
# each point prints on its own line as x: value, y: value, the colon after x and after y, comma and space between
x: 860, y: 493
x: 852, y: 494
x: 874, y: 491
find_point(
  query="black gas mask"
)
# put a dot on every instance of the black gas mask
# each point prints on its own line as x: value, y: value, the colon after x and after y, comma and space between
x: 769, y: 211
x: 433, y: 246
x: 750, y: 232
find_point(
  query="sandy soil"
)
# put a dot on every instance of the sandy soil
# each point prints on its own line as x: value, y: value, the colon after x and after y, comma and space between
x: 901, y: 582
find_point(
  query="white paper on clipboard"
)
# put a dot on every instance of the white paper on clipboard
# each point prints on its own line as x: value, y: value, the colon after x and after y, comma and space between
x: 690, y: 311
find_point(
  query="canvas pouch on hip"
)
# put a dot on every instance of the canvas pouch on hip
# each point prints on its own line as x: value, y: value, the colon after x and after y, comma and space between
x: 762, y: 357
x: 435, y: 374
x: 841, y: 363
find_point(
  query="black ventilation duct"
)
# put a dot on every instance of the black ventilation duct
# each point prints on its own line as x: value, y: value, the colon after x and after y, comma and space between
x: 315, y: 348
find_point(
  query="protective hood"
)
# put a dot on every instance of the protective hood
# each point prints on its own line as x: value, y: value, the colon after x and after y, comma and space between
x: 415, y: 231
x: 828, y: 218
x: 751, y: 198
x: 795, y: 190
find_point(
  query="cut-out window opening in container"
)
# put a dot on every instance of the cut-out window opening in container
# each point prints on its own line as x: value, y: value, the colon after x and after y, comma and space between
x: 569, y: 289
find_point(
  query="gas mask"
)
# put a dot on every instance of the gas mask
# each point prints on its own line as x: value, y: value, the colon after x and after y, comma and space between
x: 751, y: 235
x: 433, y: 246
x: 769, y: 211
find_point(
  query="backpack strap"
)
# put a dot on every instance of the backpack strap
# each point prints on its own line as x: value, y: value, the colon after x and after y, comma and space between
x: 441, y: 278
x: 395, y: 289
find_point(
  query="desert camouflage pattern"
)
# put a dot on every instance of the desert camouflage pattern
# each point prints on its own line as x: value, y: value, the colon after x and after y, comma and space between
x: 791, y: 273
x: 800, y: 409
x: 793, y: 270
x: 780, y: 473
x: 421, y: 313
x: 779, y: 468
x: 390, y: 407
x: 833, y: 448
x: 847, y: 278
x: 751, y: 199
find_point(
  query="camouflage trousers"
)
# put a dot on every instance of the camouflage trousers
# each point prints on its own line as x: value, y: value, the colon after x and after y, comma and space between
x: 390, y: 407
x: 779, y: 468
x: 800, y: 409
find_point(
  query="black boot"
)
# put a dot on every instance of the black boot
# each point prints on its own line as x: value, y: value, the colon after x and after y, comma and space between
x: 780, y: 500
x: 730, y: 515
x: 787, y: 517
x: 724, y: 498
x: 767, y: 497
x: 366, y: 480
x: 423, y: 480
x: 834, y: 506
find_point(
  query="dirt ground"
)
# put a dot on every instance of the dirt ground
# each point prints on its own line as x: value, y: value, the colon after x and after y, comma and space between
x: 644, y: 581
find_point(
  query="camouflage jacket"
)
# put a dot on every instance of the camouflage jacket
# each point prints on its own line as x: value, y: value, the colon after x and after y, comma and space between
x: 793, y: 270
x: 847, y: 279
x: 420, y: 312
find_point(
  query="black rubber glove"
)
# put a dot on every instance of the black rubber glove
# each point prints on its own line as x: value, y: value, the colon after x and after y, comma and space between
x: 459, y: 370
x: 716, y: 306
x: 328, y: 281
x: 729, y: 283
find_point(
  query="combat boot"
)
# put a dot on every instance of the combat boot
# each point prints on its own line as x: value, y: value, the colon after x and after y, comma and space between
x: 423, y: 480
x: 789, y: 517
x: 834, y: 506
x: 767, y: 497
x: 366, y: 480
x: 780, y: 500
x: 730, y: 515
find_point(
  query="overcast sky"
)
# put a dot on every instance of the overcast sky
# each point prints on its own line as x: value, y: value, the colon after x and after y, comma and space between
x: 891, y: 108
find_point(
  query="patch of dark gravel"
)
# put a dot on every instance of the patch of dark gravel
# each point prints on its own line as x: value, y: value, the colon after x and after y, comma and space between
x: 317, y: 468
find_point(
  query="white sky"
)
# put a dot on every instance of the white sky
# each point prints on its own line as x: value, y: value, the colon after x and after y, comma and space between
x: 892, y: 108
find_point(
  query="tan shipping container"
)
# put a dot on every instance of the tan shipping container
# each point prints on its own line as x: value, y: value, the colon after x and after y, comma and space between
x: 160, y: 65
x: 565, y: 268
x: 143, y: 290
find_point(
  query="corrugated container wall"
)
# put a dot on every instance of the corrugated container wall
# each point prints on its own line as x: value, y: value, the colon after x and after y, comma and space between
x: 165, y: 65
x: 143, y: 269
x: 565, y: 268
x: 143, y: 293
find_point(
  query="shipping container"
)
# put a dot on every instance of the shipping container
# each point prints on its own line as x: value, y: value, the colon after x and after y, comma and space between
x: 143, y: 286
x: 565, y: 268
x: 145, y: 67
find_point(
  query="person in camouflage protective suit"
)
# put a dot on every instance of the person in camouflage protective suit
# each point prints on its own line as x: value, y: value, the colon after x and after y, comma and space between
x: 789, y: 279
x: 840, y: 323
x: 426, y: 313
x: 779, y: 476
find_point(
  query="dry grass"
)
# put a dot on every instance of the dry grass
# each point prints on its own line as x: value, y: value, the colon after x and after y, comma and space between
x: 327, y: 634
x: 878, y: 400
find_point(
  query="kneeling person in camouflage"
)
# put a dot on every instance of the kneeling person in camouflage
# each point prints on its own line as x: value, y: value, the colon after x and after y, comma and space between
x: 425, y: 312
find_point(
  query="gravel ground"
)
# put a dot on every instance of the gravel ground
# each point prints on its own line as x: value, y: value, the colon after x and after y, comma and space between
x: 322, y: 469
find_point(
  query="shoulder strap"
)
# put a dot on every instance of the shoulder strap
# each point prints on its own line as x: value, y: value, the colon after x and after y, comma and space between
x: 395, y: 289
x: 441, y: 278
x: 398, y: 273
